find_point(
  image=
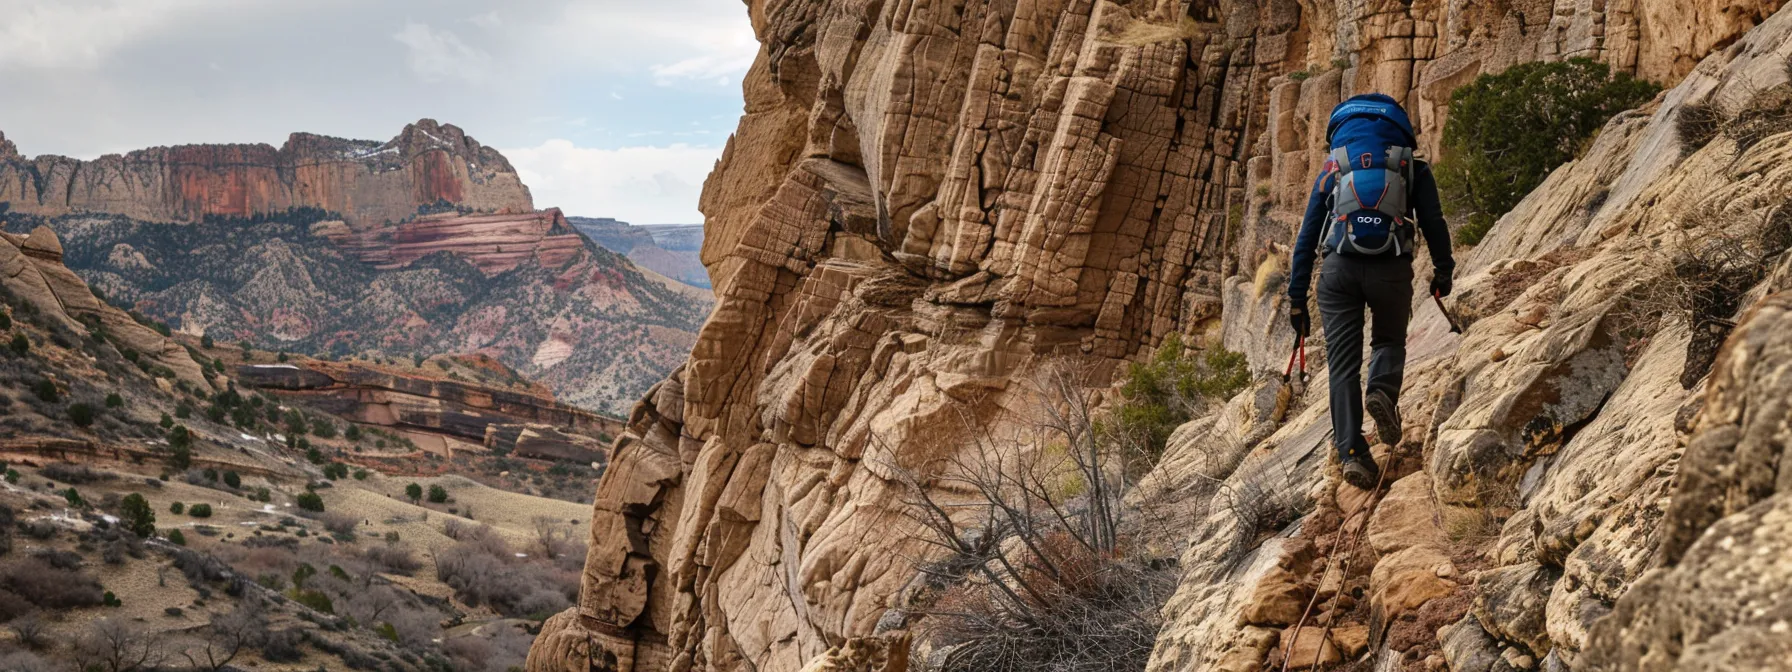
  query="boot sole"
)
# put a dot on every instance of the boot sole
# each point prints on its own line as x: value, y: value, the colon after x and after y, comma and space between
x: 1386, y: 416
x: 1361, y: 480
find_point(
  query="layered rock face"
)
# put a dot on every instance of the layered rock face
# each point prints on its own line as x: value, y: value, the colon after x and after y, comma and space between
x: 365, y: 181
x: 925, y: 202
x: 492, y: 243
x: 527, y: 421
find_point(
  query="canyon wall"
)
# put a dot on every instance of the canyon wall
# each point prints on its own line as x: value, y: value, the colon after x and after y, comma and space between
x: 365, y: 181
x: 925, y: 202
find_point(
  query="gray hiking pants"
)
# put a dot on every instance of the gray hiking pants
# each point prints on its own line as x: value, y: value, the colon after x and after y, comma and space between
x: 1347, y: 285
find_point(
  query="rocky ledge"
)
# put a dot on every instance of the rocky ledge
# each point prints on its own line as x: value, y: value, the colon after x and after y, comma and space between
x: 456, y: 413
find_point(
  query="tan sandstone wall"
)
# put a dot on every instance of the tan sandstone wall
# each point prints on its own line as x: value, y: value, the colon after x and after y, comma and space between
x: 926, y: 199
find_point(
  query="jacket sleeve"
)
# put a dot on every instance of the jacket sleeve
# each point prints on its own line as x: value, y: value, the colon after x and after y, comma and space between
x: 1306, y: 245
x: 1431, y: 219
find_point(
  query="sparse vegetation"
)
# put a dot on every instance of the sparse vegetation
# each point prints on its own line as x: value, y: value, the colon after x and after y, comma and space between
x: 1167, y: 390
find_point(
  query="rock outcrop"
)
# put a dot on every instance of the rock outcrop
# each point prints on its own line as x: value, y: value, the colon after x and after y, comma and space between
x: 31, y: 268
x: 925, y: 202
x: 428, y: 165
x: 469, y: 414
x: 492, y: 243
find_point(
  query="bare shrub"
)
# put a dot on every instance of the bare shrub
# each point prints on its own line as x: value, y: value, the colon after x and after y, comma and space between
x: 29, y: 630
x: 469, y: 653
x: 40, y: 529
x: 71, y: 473
x: 282, y: 646
x: 50, y: 587
x: 416, y: 629
x: 12, y: 606
x: 227, y: 637
x: 453, y: 528
x: 482, y: 569
x: 340, y: 524
x: 1046, y: 579
x: 552, y: 537
x: 374, y: 603
x: 59, y: 559
x: 1700, y: 273
x: 1766, y: 114
x: 114, y: 645
x: 1698, y: 125
x: 394, y: 559
x: 24, y: 661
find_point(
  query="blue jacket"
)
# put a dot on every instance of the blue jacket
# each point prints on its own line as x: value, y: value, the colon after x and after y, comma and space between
x: 1319, y: 204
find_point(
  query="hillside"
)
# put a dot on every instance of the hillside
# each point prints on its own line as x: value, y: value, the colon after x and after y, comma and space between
x: 169, y: 504
x: 951, y: 242
x: 523, y: 288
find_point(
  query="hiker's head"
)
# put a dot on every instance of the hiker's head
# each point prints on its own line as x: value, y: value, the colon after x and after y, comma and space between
x: 1377, y: 108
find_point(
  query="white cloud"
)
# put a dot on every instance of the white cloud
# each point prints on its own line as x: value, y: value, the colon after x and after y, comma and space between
x: 722, y: 68
x: 82, y: 33
x: 488, y: 20
x: 712, y: 43
x: 641, y: 185
x: 436, y: 55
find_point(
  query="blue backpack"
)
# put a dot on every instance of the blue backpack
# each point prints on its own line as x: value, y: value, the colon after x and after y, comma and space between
x: 1372, y: 145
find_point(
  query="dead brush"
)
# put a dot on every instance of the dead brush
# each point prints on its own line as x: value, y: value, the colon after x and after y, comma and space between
x: 1025, y: 574
x: 1767, y: 113
x: 1699, y: 273
x: 1745, y: 116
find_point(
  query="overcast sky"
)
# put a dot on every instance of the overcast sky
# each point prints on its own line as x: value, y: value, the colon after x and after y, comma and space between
x: 608, y: 108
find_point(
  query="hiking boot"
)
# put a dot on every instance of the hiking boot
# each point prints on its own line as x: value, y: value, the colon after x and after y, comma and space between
x: 1386, y: 415
x: 1360, y: 471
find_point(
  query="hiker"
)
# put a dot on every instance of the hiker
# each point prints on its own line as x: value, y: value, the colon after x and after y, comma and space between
x: 1360, y: 220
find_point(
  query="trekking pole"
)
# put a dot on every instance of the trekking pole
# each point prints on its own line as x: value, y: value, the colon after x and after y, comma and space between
x: 1439, y: 298
x: 1299, y: 351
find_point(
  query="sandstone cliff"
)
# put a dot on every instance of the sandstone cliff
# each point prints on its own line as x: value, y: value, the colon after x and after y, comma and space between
x: 925, y: 201
x: 366, y: 181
